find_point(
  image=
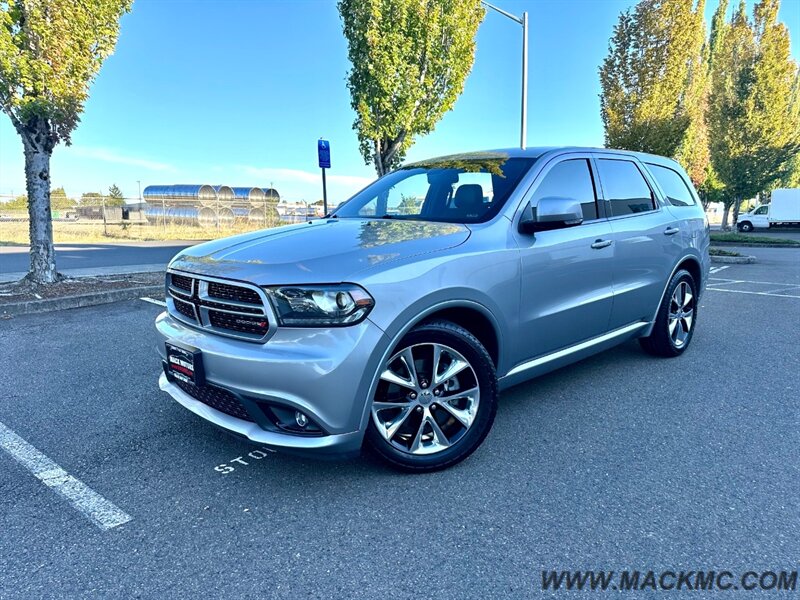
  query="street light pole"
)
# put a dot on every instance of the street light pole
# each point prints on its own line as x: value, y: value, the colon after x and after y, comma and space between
x: 523, y: 133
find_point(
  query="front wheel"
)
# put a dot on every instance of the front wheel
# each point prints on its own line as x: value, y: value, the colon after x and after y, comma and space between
x: 436, y: 399
x: 746, y: 227
x: 676, y: 319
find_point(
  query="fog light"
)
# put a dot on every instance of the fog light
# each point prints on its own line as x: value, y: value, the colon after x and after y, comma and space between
x: 300, y: 418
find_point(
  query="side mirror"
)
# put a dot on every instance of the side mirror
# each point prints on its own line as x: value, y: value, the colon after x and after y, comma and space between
x: 551, y: 213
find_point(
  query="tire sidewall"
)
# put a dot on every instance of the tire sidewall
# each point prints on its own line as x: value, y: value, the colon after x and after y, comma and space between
x: 680, y: 276
x: 470, y: 348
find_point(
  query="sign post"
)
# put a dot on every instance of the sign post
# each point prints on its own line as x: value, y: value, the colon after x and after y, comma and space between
x: 324, y: 155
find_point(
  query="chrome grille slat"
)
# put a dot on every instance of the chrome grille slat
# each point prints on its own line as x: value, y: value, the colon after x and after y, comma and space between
x: 189, y: 299
x: 180, y: 294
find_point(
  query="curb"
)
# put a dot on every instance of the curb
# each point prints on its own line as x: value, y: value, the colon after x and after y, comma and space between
x: 736, y: 260
x: 50, y: 304
x: 754, y: 245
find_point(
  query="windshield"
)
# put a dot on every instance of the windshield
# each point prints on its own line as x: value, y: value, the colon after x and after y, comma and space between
x: 451, y: 190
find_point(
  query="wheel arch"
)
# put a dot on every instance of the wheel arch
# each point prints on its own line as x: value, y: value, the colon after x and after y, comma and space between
x: 690, y: 263
x: 469, y: 314
x: 458, y: 311
x: 474, y: 321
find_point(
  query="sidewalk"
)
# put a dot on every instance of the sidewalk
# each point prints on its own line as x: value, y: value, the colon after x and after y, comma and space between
x: 92, y: 272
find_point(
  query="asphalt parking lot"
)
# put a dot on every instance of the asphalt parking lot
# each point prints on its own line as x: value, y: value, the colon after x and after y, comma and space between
x: 621, y: 461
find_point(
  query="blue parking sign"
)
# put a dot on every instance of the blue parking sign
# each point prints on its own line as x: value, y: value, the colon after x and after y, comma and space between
x: 324, y: 153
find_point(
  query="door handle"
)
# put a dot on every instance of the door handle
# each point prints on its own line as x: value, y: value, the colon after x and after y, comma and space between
x: 601, y: 244
x: 671, y: 230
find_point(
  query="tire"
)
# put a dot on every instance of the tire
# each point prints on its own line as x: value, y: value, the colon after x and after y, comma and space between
x: 667, y: 340
x: 421, y: 422
x: 746, y: 227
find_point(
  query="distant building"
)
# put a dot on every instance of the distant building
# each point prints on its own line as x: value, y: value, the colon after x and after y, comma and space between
x: 209, y: 205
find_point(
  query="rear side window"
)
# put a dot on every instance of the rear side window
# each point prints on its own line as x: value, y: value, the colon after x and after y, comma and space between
x: 570, y: 179
x: 625, y: 188
x: 674, y: 186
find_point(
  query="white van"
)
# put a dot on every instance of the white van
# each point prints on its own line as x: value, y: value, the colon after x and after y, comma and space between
x: 784, y: 209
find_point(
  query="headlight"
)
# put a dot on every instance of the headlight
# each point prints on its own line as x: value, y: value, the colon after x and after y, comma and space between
x: 320, y: 305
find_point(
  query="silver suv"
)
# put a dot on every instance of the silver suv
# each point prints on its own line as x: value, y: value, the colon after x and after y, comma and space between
x: 400, y: 317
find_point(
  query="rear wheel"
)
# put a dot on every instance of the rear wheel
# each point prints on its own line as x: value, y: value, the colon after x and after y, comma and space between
x: 676, y: 319
x: 436, y: 399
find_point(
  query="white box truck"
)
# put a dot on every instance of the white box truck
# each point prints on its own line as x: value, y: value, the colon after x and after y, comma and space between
x: 784, y: 209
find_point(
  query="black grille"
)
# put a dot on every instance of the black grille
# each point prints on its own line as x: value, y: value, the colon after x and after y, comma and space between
x: 243, y: 323
x: 233, y: 292
x: 186, y: 309
x: 182, y: 283
x: 216, y: 398
x: 218, y: 306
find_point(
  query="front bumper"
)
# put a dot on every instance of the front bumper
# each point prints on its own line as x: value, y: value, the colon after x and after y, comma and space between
x: 326, y: 373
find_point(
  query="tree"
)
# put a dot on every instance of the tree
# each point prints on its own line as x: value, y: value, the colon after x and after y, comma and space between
x: 18, y: 203
x: 410, y: 59
x: 50, y: 51
x: 409, y: 205
x: 115, y: 196
x: 91, y: 199
x: 59, y: 200
x: 754, y: 114
x: 654, y: 83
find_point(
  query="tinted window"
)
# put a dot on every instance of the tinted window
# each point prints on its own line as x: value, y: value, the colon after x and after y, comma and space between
x: 762, y: 210
x: 451, y: 189
x: 625, y: 188
x: 674, y: 186
x: 570, y: 179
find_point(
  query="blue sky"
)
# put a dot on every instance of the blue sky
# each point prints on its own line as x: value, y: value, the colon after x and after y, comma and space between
x: 238, y: 92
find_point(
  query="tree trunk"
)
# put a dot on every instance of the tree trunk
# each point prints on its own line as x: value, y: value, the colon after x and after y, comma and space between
x: 736, y: 204
x: 385, y: 151
x: 37, y: 179
x: 725, y: 210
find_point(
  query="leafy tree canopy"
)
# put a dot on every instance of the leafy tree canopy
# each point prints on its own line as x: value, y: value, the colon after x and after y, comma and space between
x: 410, y: 59
x: 18, y: 203
x: 50, y: 51
x: 115, y: 196
x: 654, y: 83
x: 754, y: 108
x: 91, y: 199
x: 58, y: 201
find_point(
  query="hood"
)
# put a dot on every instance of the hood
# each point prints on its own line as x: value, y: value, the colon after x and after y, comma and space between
x: 321, y: 251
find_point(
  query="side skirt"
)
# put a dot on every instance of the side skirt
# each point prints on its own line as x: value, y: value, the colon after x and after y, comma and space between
x: 559, y: 358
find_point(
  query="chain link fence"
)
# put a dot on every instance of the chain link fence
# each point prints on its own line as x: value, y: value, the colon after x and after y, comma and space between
x: 156, y: 220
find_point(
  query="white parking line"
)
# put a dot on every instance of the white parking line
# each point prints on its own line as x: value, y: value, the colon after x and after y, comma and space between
x: 754, y: 293
x: 718, y: 269
x: 92, y: 505
x: 154, y: 301
x: 791, y: 288
x: 727, y: 281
